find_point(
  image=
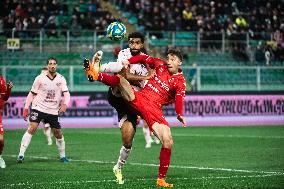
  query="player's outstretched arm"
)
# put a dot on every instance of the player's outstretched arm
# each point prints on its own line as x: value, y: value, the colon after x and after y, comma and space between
x: 141, y: 59
x: 8, y: 91
x: 134, y: 77
x: 182, y: 120
x: 28, y: 103
x: 66, y: 100
x: 179, y: 100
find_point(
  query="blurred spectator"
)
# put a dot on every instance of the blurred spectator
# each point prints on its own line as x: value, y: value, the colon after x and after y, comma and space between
x: 25, y: 28
x: 51, y: 27
x: 34, y: 27
x: 280, y: 52
x: 235, y: 10
x: 241, y: 22
x: 1, y: 26
x: 267, y: 55
x: 20, y: 12
x: 259, y: 55
x: 75, y: 27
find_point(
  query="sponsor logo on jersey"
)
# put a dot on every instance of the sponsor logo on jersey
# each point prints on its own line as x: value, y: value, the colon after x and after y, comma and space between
x: 163, y: 84
x: 154, y: 88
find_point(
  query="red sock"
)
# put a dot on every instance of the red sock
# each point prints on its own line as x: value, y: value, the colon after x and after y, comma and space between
x: 110, y: 80
x: 1, y: 146
x: 165, y: 159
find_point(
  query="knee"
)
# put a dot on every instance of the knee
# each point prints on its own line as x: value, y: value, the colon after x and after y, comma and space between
x: 168, y: 143
x: 32, y: 130
x: 57, y: 134
x: 127, y: 144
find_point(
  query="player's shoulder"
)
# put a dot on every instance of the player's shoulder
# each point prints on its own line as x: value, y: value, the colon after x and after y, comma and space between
x: 125, y: 51
x: 179, y: 75
x: 41, y: 76
x: 141, y: 53
x: 60, y: 76
x: 2, y: 80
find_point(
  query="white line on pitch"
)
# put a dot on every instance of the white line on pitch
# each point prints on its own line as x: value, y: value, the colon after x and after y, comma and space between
x: 208, y: 135
x: 156, y: 165
x: 227, y: 136
x: 134, y: 180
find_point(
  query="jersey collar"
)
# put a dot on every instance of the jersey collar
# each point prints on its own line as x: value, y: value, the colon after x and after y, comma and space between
x: 51, y: 78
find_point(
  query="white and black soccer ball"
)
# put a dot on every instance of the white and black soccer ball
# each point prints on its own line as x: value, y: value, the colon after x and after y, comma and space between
x: 116, y: 31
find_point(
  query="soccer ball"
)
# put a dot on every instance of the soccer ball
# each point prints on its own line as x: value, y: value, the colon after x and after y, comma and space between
x: 116, y: 31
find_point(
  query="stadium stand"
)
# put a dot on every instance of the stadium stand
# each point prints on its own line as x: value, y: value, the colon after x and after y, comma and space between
x: 211, y: 33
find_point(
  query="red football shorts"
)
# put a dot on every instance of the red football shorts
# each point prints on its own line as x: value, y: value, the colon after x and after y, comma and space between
x: 150, y: 111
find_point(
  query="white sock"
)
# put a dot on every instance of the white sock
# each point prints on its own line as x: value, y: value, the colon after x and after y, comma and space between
x: 111, y: 67
x: 47, y: 133
x: 60, y: 143
x: 124, y: 153
x: 147, y: 136
x: 25, y: 143
x: 157, y: 141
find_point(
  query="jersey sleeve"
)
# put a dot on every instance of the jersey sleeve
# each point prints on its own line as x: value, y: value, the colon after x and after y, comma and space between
x: 3, y: 88
x: 36, y: 85
x: 151, y: 61
x: 179, y: 97
x: 121, y: 56
x: 64, y: 85
x: 5, y: 91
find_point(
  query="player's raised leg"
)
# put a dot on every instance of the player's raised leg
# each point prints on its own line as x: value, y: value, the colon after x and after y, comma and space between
x: 92, y: 68
x: 111, y: 67
x: 110, y: 80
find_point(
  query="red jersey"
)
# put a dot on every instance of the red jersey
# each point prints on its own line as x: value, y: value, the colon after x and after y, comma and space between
x: 4, y: 95
x: 165, y: 88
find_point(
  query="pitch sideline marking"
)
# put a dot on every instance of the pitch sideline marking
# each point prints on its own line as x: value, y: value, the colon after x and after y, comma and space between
x: 171, y: 166
x: 133, y: 180
x: 208, y: 135
x: 229, y: 136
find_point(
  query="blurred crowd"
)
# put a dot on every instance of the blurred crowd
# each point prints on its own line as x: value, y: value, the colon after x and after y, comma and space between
x: 205, y: 15
x: 261, y: 20
x: 51, y: 16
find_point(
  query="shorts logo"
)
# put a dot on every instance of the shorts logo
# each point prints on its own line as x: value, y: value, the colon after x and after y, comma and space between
x: 34, y: 115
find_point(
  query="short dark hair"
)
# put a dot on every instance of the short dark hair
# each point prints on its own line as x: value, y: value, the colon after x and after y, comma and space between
x: 137, y: 35
x: 44, y: 68
x: 176, y: 52
x: 51, y: 58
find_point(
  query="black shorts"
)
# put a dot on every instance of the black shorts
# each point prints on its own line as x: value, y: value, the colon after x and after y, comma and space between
x: 122, y: 108
x: 37, y: 116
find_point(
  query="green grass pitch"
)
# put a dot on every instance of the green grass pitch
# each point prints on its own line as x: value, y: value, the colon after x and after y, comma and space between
x: 202, y: 157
